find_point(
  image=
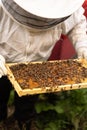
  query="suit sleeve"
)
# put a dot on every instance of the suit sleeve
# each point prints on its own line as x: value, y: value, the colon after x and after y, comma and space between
x: 76, y: 27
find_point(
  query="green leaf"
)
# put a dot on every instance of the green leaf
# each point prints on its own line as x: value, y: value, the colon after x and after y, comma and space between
x: 38, y: 107
x: 51, y: 126
x: 43, y: 106
x: 11, y: 98
x: 47, y: 129
x: 59, y: 109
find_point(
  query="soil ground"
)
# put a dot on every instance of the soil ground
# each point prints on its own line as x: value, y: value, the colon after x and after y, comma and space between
x: 11, y: 123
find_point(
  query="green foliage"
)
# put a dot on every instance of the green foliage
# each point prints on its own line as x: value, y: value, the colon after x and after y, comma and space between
x: 60, y: 111
x: 11, y: 98
x: 63, y: 110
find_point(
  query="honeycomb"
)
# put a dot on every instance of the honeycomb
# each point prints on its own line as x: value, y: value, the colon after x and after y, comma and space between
x: 49, y: 74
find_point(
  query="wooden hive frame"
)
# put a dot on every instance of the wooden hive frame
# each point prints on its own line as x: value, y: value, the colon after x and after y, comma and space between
x: 23, y: 92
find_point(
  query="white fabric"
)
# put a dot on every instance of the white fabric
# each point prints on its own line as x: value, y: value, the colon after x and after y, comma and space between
x: 81, y: 49
x: 82, y: 52
x: 3, y: 70
x: 19, y: 43
x: 50, y: 8
x: 2, y: 59
x: 81, y: 44
x: 75, y: 27
x: 28, y: 19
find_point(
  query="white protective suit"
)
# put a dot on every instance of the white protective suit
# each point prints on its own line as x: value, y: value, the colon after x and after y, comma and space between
x: 19, y: 43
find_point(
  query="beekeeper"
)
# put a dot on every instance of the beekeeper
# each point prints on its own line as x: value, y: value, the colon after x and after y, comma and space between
x: 29, y: 30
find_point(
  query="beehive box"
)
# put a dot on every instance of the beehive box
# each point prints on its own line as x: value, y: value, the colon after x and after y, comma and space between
x: 50, y: 76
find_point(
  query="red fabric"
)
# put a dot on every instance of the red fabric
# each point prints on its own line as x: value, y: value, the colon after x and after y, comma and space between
x: 85, y: 7
x: 63, y: 49
x: 55, y: 55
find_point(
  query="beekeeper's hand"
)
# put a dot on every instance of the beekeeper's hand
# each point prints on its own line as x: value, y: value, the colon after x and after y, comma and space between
x: 82, y: 52
x: 81, y: 49
x: 3, y: 70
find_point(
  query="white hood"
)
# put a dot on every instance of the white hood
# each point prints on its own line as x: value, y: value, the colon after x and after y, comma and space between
x: 50, y: 8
